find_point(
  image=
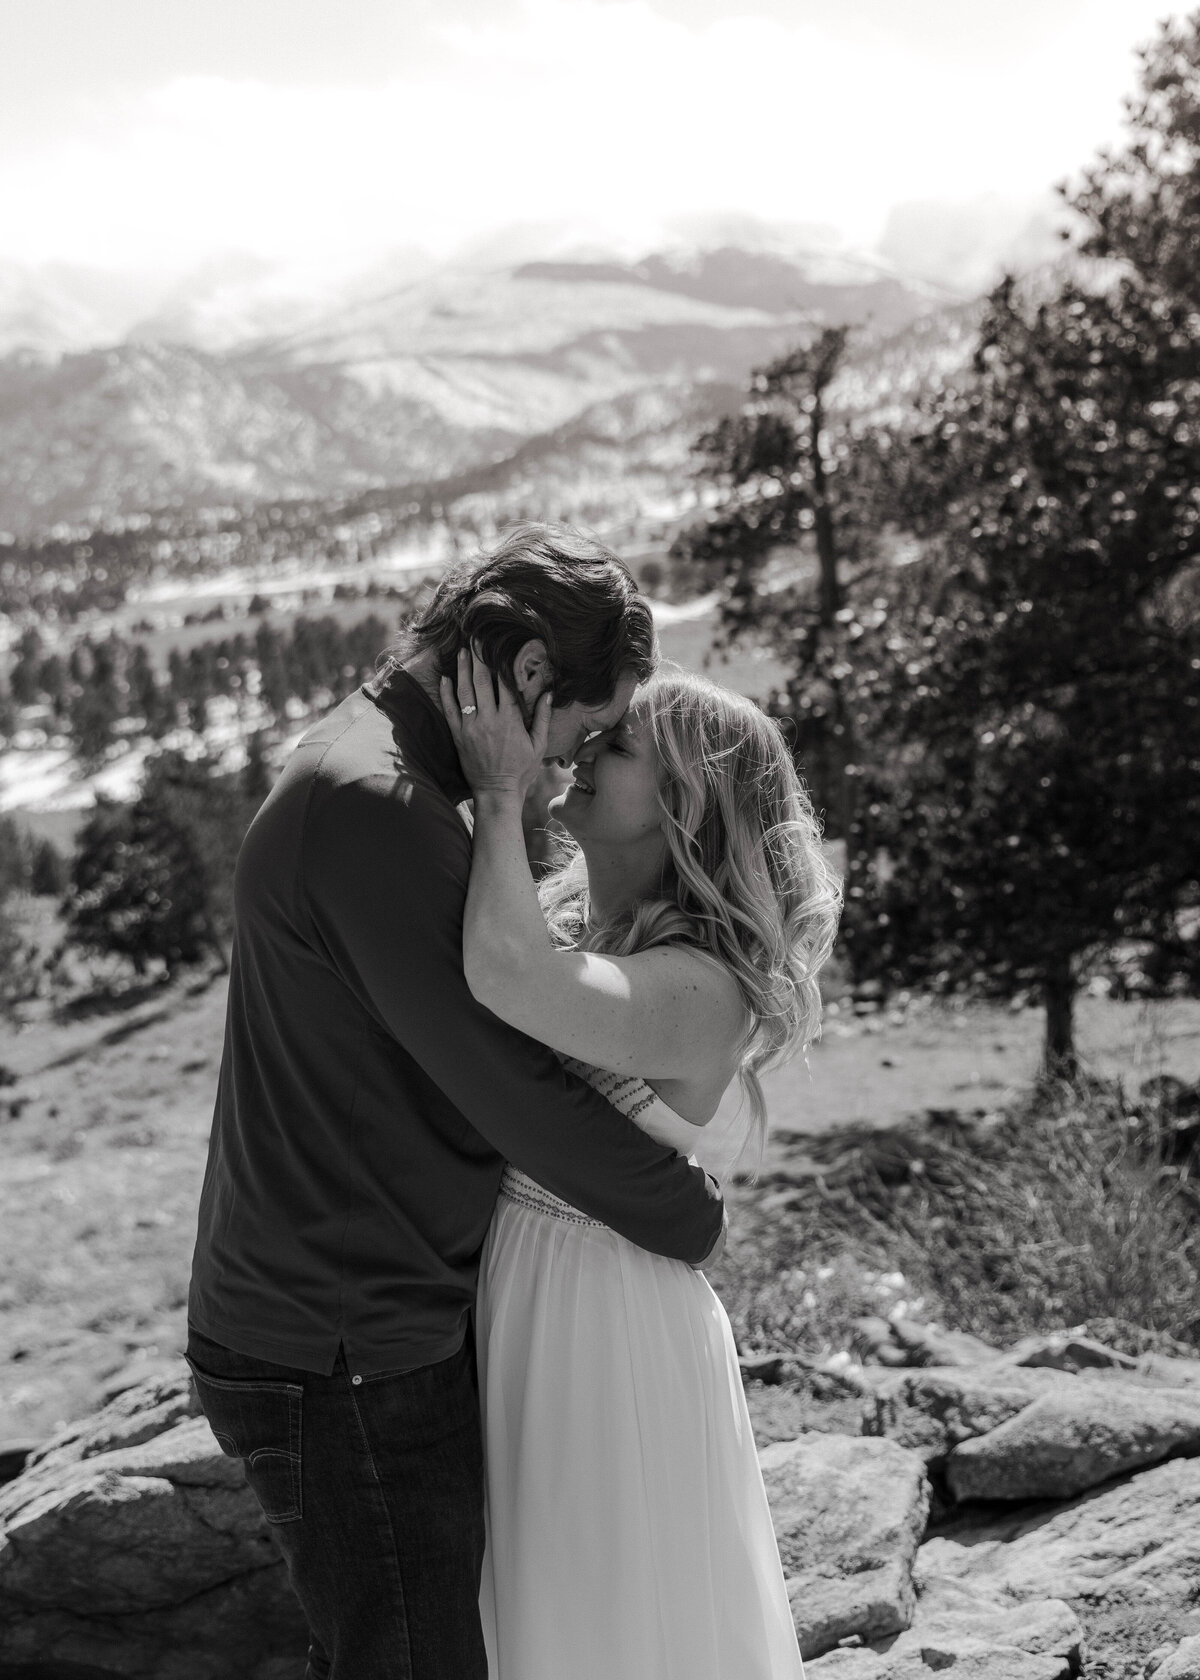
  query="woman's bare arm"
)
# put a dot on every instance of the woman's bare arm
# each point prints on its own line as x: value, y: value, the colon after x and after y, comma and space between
x: 663, y: 1013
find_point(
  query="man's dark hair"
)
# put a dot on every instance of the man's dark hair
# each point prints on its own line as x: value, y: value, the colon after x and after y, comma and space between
x: 553, y: 584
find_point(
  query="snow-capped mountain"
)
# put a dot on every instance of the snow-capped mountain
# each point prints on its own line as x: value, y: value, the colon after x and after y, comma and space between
x: 249, y: 381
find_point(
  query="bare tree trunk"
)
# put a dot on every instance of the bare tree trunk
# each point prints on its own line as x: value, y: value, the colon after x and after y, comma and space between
x: 830, y: 597
x: 216, y: 945
x: 841, y: 741
x: 1059, y: 1059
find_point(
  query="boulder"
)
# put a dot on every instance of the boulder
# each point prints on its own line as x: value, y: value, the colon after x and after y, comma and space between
x: 906, y: 1341
x: 857, y: 1663
x: 933, y: 1411
x: 1113, y: 1546
x: 133, y: 1416
x: 992, y: 1662
x: 131, y: 1546
x: 761, y: 1367
x: 951, y: 1617
x: 1073, y: 1438
x: 14, y: 1456
x: 1170, y: 1370
x: 849, y: 1513
x: 1183, y: 1663
x: 956, y: 1628
x: 930, y: 1344
x: 1067, y: 1351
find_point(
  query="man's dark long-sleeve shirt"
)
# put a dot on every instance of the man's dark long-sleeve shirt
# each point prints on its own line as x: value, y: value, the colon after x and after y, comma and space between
x: 366, y: 1102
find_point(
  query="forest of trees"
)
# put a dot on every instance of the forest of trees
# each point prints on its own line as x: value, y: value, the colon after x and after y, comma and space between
x: 110, y: 684
x: 151, y: 881
x: 71, y: 572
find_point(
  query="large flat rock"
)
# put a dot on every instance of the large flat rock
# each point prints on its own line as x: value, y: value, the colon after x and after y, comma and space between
x: 1136, y: 1539
x: 131, y: 1530
x: 132, y: 1545
x: 849, y: 1513
x: 934, y: 1410
x: 956, y: 1628
x: 1072, y: 1438
x: 991, y: 1662
x: 1183, y: 1663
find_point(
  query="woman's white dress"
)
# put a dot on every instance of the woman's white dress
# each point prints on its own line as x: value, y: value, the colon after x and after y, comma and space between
x: 629, y: 1536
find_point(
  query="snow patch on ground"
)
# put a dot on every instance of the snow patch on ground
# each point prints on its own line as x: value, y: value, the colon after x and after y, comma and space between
x: 395, y: 564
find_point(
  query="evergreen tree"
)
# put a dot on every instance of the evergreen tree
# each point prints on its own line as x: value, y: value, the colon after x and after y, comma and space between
x: 255, y: 780
x: 1047, y: 674
x: 155, y: 879
x: 22, y: 680
x: 1027, y: 694
x: 275, y: 685
x: 48, y: 875
x: 92, y: 713
x: 52, y: 682
x: 794, y: 534
x: 145, y: 695
x: 16, y: 857
x: 138, y: 887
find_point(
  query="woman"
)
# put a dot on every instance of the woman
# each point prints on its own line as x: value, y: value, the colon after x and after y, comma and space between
x: 629, y: 1533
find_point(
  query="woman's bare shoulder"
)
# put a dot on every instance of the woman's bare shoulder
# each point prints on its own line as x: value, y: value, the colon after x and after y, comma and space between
x: 711, y: 982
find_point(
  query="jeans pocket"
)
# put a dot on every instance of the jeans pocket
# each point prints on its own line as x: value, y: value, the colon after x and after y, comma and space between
x: 258, y: 1421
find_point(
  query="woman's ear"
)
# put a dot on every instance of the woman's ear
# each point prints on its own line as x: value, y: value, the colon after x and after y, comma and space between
x: 531, y: 671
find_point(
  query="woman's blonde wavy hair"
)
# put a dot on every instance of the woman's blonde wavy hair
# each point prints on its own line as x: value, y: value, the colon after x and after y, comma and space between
x: 746, y: 880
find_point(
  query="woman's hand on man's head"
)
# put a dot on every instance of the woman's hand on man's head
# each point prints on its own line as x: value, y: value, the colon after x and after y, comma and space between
x: 499, y: 755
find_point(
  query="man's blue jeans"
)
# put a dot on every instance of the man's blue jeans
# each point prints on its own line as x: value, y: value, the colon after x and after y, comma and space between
x: 374, y: 1490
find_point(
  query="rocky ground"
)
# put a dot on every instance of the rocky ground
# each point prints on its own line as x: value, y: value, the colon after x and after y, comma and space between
x: 1022, y: 1510
x: 1027, y: 1513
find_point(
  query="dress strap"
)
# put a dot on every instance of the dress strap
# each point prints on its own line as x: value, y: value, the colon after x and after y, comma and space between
x: 625, y: 1091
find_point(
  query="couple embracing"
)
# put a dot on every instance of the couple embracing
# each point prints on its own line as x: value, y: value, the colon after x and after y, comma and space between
x: 447, y: 1304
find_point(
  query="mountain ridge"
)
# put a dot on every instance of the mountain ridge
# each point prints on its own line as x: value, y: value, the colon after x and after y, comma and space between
x: 411, y: 374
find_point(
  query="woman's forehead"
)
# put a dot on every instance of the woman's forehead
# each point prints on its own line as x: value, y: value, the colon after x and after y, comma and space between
x: 637, y: 724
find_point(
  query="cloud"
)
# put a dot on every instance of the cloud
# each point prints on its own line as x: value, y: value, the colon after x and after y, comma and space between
x: 563, y: 108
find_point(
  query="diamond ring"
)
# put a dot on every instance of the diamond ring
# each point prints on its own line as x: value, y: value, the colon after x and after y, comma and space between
x: 468, y: 711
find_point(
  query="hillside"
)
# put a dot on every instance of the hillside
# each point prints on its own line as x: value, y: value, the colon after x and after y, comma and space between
x: 105, y: 433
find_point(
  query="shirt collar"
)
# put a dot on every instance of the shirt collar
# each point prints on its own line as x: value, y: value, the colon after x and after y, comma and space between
x: 420, y: 728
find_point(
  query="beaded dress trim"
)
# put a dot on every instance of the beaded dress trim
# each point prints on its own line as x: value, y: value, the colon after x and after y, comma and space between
x: 626, y: 1092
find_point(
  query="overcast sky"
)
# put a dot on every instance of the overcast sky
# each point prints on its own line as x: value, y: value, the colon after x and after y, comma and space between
x: 163, y: 132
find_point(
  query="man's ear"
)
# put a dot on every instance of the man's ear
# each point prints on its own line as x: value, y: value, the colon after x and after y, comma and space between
x: 531, y: 670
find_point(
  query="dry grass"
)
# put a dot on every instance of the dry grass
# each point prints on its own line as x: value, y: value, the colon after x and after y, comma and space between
x: 102, y: 1146
x: 1065, y: 1209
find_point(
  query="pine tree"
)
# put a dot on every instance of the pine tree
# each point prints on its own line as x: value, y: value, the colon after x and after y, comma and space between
x: 22, y: 680
x: 793, y: 535
x: 48, y: 874
x: 255, y: 780
x: 138, y: 887
x: 1047, y: 667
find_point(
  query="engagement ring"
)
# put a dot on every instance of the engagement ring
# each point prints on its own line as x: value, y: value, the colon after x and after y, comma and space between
x: 468, y: 710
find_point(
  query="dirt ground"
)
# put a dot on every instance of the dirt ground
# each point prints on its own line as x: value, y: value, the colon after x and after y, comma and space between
x: 104, y: 1126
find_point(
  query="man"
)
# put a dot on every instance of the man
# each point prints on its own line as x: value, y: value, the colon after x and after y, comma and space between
x: 365, y: 1107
